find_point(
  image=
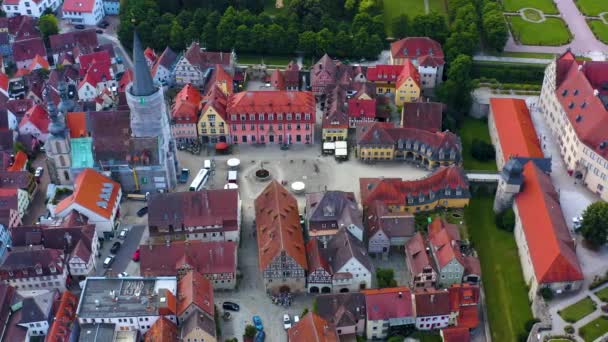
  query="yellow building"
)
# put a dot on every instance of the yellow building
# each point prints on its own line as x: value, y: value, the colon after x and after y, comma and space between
x: 384, y: 77
x: 212, y: 126
x: 408, y: 87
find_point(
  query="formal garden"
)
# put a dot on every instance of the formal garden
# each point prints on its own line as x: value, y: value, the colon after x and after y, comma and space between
x: 506, y: 292
x: 592, y: 8
x: 599, y: 28
x: 578, y: 310
x: 554, y: 31
x: 547, y: 6
x: 594, y: 329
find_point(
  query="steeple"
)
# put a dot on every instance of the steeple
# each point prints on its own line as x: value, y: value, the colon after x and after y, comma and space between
x: 57, y: 125
x: 142, y: 83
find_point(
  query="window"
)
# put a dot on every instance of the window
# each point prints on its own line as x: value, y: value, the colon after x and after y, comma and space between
x: 288, y: 116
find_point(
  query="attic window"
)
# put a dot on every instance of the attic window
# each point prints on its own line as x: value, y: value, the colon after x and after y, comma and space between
x: 571, y: 105
x: 579, y: 118
x: 565, y: 92
x: 575, y: 92
x: 584, y: 104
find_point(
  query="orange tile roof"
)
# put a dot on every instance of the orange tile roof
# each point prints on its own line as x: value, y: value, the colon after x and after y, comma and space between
x: 456, y: 334
x: 64, y: 317
x: 77, y: 124
x: 88, y: 191
x: 408, y: 71
x: 515, y: 128
x: 221, y: 76
x: 312, y: 328
x: 550, y: 245
x: 19, y: 163
x: 278, y: 226
x: 194, y: 288
x: 4, y: 82
x: 163, y: 330
x: 274, y: 101
x: 38, y: 60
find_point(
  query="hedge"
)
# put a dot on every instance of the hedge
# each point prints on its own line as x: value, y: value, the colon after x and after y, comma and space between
x: 509, y: 72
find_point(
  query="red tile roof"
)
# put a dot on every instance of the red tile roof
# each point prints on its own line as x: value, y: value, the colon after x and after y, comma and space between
x: 125, y: 80
x: 87, y: 60
x: 64, y: 317
x: 19, y: 163
x: 394, y: 224
x: 77, y: 124
x: 98, y: 72
x: 205, y: 59
x: 409, y: 72
x: 254, y: 102
x: 278, y: 226
x: 415, y: 253
x: 384, y: 73
x: 515, y: 128
x: 37, y: 116
x: 361, y: 108
x: 90, y: 193
x: 28, y: 49
x: 423, y: 115
x: 292, y: 74
x: 187, y: 104
x: 584, y: 99
x: 163, y: 330
x: 431, y: 302
x: 39, y: 61
x: 417, y: 48
x: 150, y: 55
x: 312, y: 328
x: 442, y: 239
x: 4, y: 82
x: 383, y: 304
x: 81, y: 6
x: 194, y: 289
x: 552, y: 250
x: 208, y: 258
x: 395, y: 190
x: 315, y: 259
x: 65, y: 42
x: 217, y: 100
x: 277, y: 80
x: 223, y: 77
x: 456, y: 334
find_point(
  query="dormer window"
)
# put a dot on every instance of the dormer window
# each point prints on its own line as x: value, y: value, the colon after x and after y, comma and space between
x: 38, y: 269
x: 571, y: 105
x: 575, y: 92
x: 52, y: 268
x: 565, y: 92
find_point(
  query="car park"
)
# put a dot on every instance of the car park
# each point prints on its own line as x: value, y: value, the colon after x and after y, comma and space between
x: 108, y: 261
x: 286, y: 321
x: 143, y: 211
x: 115, y: 247
x: 136, y: 255
x: 257, y: 321
x: 231, y: 306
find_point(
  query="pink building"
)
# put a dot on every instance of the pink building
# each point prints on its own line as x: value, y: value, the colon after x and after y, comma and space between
x: 273, y: 117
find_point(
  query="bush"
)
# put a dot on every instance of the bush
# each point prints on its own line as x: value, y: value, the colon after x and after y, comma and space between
x: 598, y: 281
x: 304, y: 312
x: 546, y: 293
x: 385, y: 277
x: 530, y: 323
x: 250, y: 331
x: 522, y: 337
x: 569, y: 329
x: 506, y: 220
x: 482, y: 150
x: 505, y: 72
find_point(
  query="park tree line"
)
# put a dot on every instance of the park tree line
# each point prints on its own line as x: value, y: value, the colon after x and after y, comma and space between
x: 341, y: 28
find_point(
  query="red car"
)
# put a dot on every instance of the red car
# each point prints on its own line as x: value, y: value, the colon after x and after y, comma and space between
x: 136, y: 255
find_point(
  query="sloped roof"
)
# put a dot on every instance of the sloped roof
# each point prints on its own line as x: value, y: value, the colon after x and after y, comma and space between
x: 194, y: 289
x: 217, y: 100
x: 4, y: 82
x: 384, y: 133
x: 64, y: 317
x: 361, y: 108
x: 431, y: 302
x: 342, y: 247
x: 423, y: 115
x: 515, y: 128
x: 312, y: 328
x: 187, y: 101
x: 150, y: 54
x: 221, y: 76
x: 393, y: 223
x: 163, y: 330
x: 20, y: 161
x: 39, y: 61
x: 443, y: 239
x: 28, y: 49
x: 77, y: 124
x: 81, y: 6
x: 38, y: 308
x: 325, y: 65
x: 384, y: 73
x: 416, y: 48
x: 408, y: 72
x: 316, y: 260
x: 338, y: 206
x: 205, y: 59
x: 277, y: 80
x: 456, y: 334
x: 278, y: 226
x: 93, y: 191
x: 64, y: 42
x: 253, y: 102
x: 37, y: 116
x: 552, y: 249
x: 194, y: 322
x: 342, y: 309
x: 416, y: 255
x: 387, y: 303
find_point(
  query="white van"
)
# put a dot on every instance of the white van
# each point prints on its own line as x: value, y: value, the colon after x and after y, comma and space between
x: 207, y: 164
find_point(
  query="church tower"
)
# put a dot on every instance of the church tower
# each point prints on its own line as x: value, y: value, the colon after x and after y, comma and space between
x: 57, y: 146
x: 149, y: 114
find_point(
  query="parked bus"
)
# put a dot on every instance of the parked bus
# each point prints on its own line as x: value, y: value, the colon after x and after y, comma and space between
x: 200, y: 180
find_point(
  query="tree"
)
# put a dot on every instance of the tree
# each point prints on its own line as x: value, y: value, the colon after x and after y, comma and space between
x: 325, y: 42
x: 506, y: 220
x: 342, y: 43
x: 250, y: 331
x: 48, y: 26
x: 385, y: 277
x: 304, y: 312
x: 456, y: 91
x: 482, y: 150
x: 430, y: 25
x: 495, y: 30
x: 209, y: 35
x: 241, y: 39
x: 176, y: 35
x: 594, y: 227
x: 307, y: 42
x: 400, y: 26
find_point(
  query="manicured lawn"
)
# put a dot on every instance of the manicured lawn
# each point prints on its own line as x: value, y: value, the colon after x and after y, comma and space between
x: 547, y: 6
x: 552, y: 32
x: 578, y: 310
x: 538, y: 55
x: 438, y: 6
x: 426, y: 336
x: 268, y: 60
x: 506, y: 292
x: 603, y: 294
x: 594, y: 329
x: 599, y: 29
x: 395, y: 8
x: 470, y: 129
x: 532, y: 15
x: 592, y: 7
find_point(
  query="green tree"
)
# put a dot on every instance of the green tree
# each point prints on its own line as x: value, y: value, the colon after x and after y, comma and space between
x: 363, y: 21
x: 241, y: 39
x: 304, y: 312
x: 227, y: 28
x: 400, y: 26
x: 456, y: 91
x: 369, y: 6
x: 307, y: 42
x: 176, y: 36
x: 360, y: 43
x: 276, y: 36
x: 250, y: 331
x: 258, y: 38
x: 325, y: 39
x: 594, y: 227
x: 459, y: 43
x: 430, y: 25
x: 495, y: 30
x: 454, y: 5
x: 342, y: 43
x: 48, y: 26
x: 373, y: 46
x: 385, y: 277
x: 209, y: 35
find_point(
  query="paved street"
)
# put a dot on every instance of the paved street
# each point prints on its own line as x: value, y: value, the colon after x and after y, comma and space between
x: 37, y: 206
x: 125, y: 253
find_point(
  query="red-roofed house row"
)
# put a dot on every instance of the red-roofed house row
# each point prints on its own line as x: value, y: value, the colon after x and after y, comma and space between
x: 574, y: 103
x: 425, y: 53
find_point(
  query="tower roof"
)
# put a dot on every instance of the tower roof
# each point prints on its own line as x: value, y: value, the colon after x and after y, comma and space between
x: 142, y: 82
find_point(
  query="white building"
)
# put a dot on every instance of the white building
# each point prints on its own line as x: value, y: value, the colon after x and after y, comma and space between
x: 32, y: 8
x: 350, y: 263
x: 131, y: 303
x: 162, y: 70
x: 97, y: 198
x: 85, y: 12
x: 431, y: 309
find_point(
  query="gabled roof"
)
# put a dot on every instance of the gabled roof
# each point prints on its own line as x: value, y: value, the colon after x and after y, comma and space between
x: 17, y: 261
x: 337, y: 206
x: 167, y: 59
x: 38, y: 308
x: 325, y: 65
x: 416, y: 255
x: 292, y: 74
x: 93, y: 191
x: 163, y: 330
x: 150, y: 55
x: 417, y: 48
x: 387, y: 303
x: 515, y: 128
x: 342, y: 247
x: 253, y: 102
x: 37, y: 116
x: 409, y: 72
x: 221, y: 76
x: 443, y: 238
x: 393, y: 223
x: 204, y: 59
x: 277, y: 80
x: 342, y: 309
x: 20, y: 161
x: 361, y: 108
x: 4, y: 82
x: 187, y: 102
x: 39, y: 62
x: 98, y: 72
x: 196, y: 323
x: 423, y: 115
x: 315, y: 258
x: 125, y: 80
x: 464, y: 299
x: 384, y: 73
x: 431, y: 302
x: 217, y: 100
x: 65, y: 315
x: 81, y: 6
x: 456, y: 334
x: 552, y: 249
x: 312, y: 328
x: 86, y: 61
x: 64, y: 42
x: 194, y: 289
x: 278, y: 226
x: 28, y: 49
x: 22, y: 26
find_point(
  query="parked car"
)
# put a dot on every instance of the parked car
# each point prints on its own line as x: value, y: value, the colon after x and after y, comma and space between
x: 108, y: 261
x: 99, y: 31
x: 123, y: 234
x: 576, y: 222
x: 143, y: 211
x: 260, y: 336
x: 257, y: 321
x: 231, y: 306
x: 103, y: 24
x: 286, y: 321
x: 115, y: 247
x: 123, y: 275
x: 136, y: 255
x: 79, y: 27
x: 183, y: 176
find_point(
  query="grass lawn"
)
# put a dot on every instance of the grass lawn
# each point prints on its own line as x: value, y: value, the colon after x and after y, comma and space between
x: 470, y: 129
x: 269, y: 60
x: 395, y: 8
x: 578, y: 310
x: 599, y: 29
x: 438, y: 6
x: 532, y: 15
x: 426, y: 336
x: 547, y: 6
x: 592, y: 7
x: 603, y: 294
x: 506, y: 292
x: 594, y: 329
x: 554, y: 31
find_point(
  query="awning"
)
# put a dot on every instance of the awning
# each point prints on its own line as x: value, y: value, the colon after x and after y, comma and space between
x: 221, y: 146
